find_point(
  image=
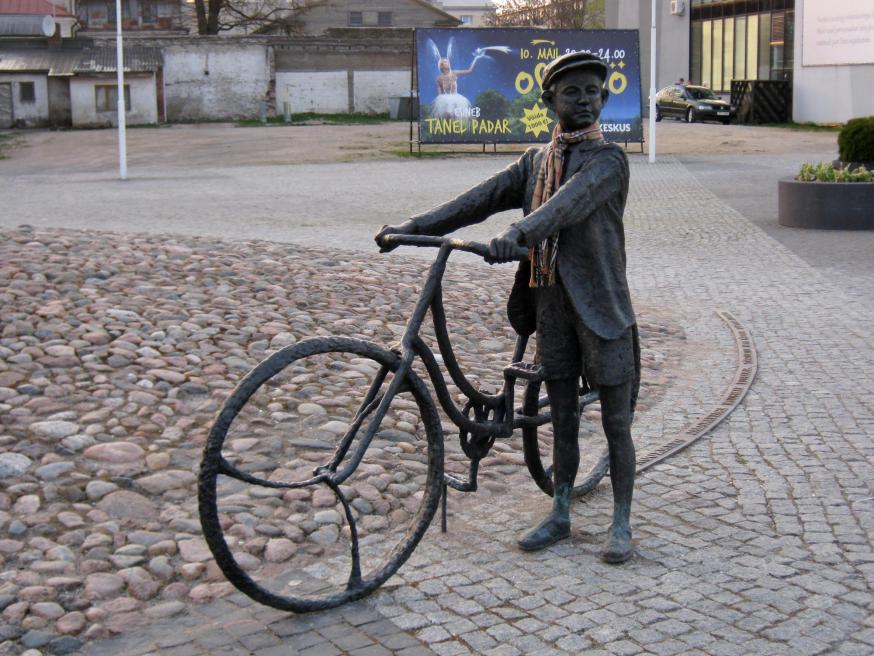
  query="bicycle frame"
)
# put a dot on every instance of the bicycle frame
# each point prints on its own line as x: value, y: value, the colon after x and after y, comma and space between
x: 494, y: 415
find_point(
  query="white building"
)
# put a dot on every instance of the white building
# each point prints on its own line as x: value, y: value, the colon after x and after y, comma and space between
x: 823, y: 48
x: 471, y: 13
x: 77, y: 86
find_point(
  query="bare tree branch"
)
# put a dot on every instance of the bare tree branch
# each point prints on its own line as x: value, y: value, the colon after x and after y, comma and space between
x: 575, y: 14
x: 214, y: 16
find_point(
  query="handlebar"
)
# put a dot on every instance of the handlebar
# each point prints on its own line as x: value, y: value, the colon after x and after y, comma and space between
x: 454, y: 243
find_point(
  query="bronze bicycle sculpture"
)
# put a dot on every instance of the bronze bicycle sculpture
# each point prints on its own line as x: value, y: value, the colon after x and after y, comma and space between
x: 482, y: 419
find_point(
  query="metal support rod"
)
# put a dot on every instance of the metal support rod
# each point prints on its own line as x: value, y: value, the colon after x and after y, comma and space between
x: 652, y: 86
x: 443, y: 509
x: 120, y: 105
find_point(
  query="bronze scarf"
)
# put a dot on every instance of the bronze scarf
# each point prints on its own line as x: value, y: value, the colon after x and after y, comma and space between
x: 544, y: 255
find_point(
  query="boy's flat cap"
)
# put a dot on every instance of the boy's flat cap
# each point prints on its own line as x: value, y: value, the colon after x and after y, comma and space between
x: 573, y: 61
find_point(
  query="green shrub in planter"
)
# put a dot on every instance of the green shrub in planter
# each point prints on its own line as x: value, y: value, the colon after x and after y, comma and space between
x: 856, y: 140
x: 828, y: 173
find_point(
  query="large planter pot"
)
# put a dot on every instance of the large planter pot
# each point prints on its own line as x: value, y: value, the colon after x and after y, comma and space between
x: 826, y: 205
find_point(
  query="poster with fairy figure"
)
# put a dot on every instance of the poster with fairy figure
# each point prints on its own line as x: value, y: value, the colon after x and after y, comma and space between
x: 483, y: 85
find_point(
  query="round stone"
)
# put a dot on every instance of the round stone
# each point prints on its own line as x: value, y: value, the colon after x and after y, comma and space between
x: 194, y: 550
x: 71, y: 623
x: 103, y: 586
x: 325, y: 535
x: 166, y: 609
x: 335, y: 427
x: 96, y: 490
x: 70, y: 519
x: 163, y: 481
x: 78, y: 442
x: 279, y: 550
x: 54, y: 429
x: 124, y: 504
x: 27, y: 504
x: 327, y: 517
x: 49, y: 610
x: 13, y: 465
x: 243, y: 444
x: 311, y: 409
x: 155, y: 461
x: 61, y: 351
x: 117, y: 452
x: 54, y: 470
x: 173, y: 377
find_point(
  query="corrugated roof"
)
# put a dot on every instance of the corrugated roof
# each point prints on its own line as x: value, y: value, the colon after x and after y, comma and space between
x: 33, y: 8
x: 137, y: 59
x: 54, y: 62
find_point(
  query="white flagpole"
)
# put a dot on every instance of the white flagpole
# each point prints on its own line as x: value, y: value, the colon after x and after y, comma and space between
x: 119, y: 65
x: 652, y: 86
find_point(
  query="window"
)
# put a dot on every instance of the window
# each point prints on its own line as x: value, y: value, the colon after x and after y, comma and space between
x: 148, y: 8
x: 383, y: 19
x: 695, y: 58
x: 764, y: 46
x: 716, y: 78
x: 466, y: 19
x: 26, y: 92
x: 707, y: 53
x: 740, y: 48
x: 106, y: 97
x: 752, y: 48
x: 356, y: 18
x: 110, y: 11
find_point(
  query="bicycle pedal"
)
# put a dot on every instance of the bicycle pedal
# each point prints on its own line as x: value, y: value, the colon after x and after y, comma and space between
x: 524, y: 370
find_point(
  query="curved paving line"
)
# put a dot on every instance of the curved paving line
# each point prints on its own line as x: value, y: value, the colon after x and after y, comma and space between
x: 747, y: 365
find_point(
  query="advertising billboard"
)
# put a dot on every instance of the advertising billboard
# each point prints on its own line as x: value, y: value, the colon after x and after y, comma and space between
x: 483, y: 85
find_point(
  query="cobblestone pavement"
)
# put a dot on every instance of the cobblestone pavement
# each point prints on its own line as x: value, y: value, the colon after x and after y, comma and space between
x: 755, y: 540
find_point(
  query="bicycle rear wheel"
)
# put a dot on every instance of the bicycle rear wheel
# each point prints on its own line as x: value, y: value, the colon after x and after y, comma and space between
x: 594, y: 455
x: 312, y: 490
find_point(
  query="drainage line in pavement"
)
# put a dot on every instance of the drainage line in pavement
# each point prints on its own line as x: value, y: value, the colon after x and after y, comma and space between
x: 747, y: 365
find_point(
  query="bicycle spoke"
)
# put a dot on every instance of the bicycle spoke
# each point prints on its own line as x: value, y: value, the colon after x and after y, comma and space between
x: 229, y: 470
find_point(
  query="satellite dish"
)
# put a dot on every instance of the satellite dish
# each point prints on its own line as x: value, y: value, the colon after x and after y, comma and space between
x: 48, y: 26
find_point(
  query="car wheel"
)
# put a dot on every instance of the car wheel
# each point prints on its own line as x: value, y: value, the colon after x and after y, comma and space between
x: 658, y: 114
x: 690, y: 115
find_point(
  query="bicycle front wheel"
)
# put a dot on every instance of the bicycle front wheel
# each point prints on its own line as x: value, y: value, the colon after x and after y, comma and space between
x: 314, y: 489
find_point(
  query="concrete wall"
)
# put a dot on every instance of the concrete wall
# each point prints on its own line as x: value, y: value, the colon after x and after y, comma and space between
x: 143, y: 100
x: 37, y: 112
x: 372, y: 89
x: 216, y: 78
x: 348, y: 70
x: 829, y: 94
x: 326, y: 91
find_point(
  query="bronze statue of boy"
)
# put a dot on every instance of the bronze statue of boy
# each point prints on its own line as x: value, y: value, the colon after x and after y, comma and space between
x: 573, y: 194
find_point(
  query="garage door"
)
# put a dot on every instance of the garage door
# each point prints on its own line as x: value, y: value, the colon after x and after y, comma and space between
x: 5, y: 105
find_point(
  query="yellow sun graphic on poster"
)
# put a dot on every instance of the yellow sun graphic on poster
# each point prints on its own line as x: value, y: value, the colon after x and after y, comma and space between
x: 536, y: 120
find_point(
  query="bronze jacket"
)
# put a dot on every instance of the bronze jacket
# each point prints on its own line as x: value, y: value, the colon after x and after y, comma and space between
x: 586, y: 211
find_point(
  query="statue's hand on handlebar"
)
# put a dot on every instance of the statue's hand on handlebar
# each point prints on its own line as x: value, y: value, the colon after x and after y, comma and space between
x: 504, y: 247
x: 405, y: 228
